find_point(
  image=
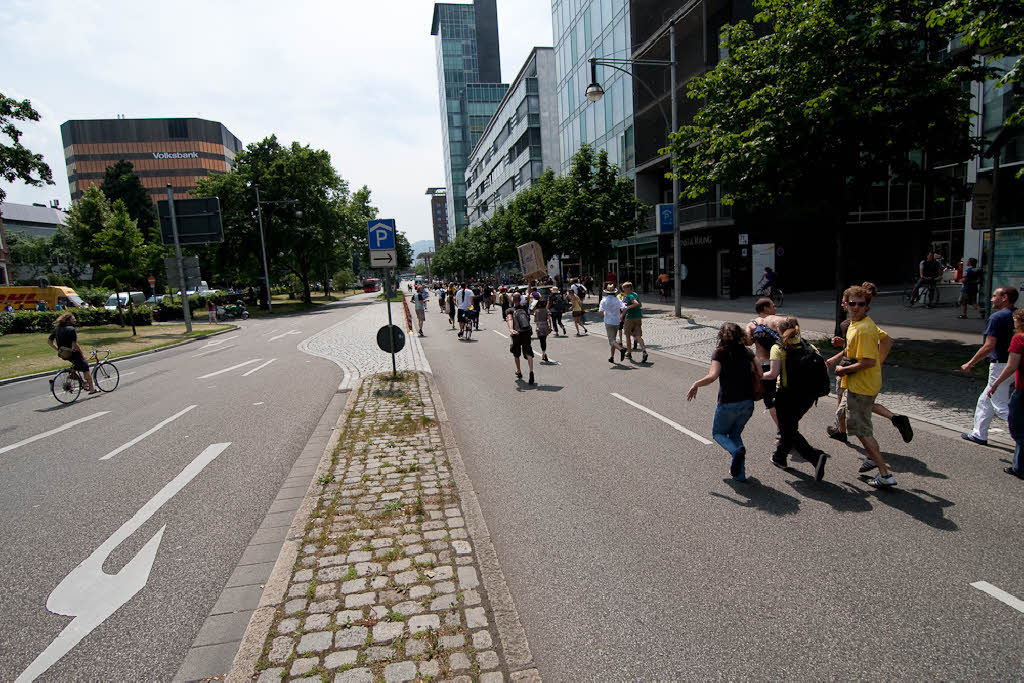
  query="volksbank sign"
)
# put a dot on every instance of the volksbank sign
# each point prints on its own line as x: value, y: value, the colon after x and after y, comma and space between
x: 175, y: 155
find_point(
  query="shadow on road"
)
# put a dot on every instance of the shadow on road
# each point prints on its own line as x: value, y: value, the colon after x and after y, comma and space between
x: 842, y: 498
x: 760, y: 497
x: 927, y: 508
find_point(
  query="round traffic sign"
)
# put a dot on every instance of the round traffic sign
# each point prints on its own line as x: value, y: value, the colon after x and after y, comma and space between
x: 152, y: 281
x: 391, y: 339
x: 683, y: 271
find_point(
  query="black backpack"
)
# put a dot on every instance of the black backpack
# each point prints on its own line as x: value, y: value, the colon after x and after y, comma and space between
x: 521, y: 321
x: 806, y: 372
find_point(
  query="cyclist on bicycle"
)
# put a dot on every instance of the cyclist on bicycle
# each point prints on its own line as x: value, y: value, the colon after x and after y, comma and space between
x: 929, y: 271
x: 67, y: 348
x: 663, y: 285
x: 767, y: 283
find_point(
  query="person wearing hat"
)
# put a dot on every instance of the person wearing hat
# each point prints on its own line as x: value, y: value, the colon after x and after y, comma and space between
x: 611, y: 307
x: 557, y: 306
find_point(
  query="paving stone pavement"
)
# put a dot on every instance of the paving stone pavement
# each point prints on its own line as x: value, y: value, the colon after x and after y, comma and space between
x: 944, y: 399
x: 387, y: 583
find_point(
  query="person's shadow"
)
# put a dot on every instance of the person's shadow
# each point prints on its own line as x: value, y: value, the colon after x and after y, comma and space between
x: 903, y: 463
x: 522, y: 385
x: 927, y: 507
x: 753, y: 494
x: 845, y: 498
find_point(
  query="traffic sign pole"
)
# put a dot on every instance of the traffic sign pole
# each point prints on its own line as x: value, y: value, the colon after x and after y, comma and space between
x: 181, y: 270
x: 391, y: 327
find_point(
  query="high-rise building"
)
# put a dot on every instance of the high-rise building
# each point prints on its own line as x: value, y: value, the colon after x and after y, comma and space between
x: 469, y: 87
x: 439, y: 214
x: 162, y: 151
x: 520, y: 141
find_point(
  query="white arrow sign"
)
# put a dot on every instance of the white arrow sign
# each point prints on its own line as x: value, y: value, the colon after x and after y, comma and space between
x: 383, y: 258
x: 89, y: 594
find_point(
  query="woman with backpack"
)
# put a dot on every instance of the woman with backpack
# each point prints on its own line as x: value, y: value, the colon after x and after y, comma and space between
x: 556, y: 305
x: 542, y: 319
x: 793, y: 399
x: 732, y: 364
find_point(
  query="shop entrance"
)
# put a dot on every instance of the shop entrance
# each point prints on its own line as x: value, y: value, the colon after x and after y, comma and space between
x: 724, y: 274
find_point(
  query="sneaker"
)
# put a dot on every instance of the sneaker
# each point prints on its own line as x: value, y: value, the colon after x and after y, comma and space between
x: 866, y: 465
x: 519, y: 375
x: 902, y: 423
x: 819, y: 467
x: 531, y: 378
x: 460, y: 333
x: 780, y: 462
x: 973, y: 439
x: 834, y: 433
x: 622, y: 354
x: 611, y: 359
x: 629, y: 356
x: 544, y: 357
x: 880, y: 482
x: 736, y: 468
x: 1010, y: 470
x: 643, y: 359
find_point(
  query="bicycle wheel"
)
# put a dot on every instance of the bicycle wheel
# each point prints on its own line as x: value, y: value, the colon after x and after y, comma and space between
x: 908, y: 299
x: 106, y: 376
x: 777, y: 296
x: 66, y: 386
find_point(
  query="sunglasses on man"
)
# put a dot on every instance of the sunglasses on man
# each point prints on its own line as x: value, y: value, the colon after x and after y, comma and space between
x: 856, y: 303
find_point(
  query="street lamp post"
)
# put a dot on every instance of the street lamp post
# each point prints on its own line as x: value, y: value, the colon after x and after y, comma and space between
x: 595, y: 92
x: 263, y: 244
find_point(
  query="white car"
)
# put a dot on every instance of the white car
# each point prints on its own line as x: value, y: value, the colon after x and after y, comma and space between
x: 137, y: 298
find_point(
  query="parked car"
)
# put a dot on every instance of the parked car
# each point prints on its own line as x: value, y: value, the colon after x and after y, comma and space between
x: 155, y: 299
x: 137, y: 299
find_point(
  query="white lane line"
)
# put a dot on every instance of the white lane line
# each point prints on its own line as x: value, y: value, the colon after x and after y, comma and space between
x: 53, y: 431
x: 285, y: 334
x: 499, y: 334
x: 89, y: 594
x: 267, y: 334
x: 674, y: 425
x: 259, y: 367
x: 1000, y: 595
x: 142, y: 436
x: 219, y: 348
x: 219, y: 341
x: 233, y: 367
x: 258, y: 403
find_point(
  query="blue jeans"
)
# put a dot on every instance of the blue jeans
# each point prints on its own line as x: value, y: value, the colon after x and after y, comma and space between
x: 727, y: 428
x: 1016, y: 423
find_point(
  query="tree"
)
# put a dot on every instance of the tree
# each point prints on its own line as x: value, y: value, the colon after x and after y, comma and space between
x: 30, y: 254
x: 17, y: 162
x: 88, y: 216
x: 121, y: 251
x: 120, y: 182
x: 839, y: 95
x: 404, y: 249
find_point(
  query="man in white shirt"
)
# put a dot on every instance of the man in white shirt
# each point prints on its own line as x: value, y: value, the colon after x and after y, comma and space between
x: 580, y: 290
x: 612, y: 307
x: 463, y: 301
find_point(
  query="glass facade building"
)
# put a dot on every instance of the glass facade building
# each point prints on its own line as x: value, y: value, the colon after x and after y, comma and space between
x: 469, y: 89
x: 520, y: 141
x: 585, y: 29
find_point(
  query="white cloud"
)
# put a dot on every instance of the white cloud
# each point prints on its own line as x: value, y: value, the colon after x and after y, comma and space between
x: 355, y: 78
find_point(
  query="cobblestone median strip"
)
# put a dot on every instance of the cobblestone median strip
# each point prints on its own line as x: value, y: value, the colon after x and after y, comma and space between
x: 385, y: 582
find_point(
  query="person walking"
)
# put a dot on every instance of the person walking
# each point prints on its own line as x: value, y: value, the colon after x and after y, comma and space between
x: 519, y: 332
x: 451, y: 305
x: 969, y: 284
x: 542, y: 323
x: 996, y: 350
x: 576, y: 304
x: 611, y: 308
x: 732, y: 364
x: 420, y: 306
x: 792, y: 400
x: 556, y: 305
x: 763, y: 333
x: 633, y: 322
x: 1016, y: 404
x: 211, y: 310
x: 862, y: 380
x: 463, y: 302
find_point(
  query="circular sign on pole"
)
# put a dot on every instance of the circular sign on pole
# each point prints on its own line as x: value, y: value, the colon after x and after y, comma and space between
x: 152, y: 281
x: 683, y: 271
x: 386, y: 334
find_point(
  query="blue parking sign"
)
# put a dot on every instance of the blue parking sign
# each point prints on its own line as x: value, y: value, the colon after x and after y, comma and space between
x: 381, y: 233
x: 666, y: 217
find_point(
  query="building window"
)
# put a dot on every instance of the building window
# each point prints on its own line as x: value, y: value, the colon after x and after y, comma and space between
x: 177, y: 128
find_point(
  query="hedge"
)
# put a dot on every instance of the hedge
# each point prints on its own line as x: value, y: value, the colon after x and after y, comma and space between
x: 46, y: 321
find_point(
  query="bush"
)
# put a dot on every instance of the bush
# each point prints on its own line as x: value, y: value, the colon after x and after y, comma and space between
x: 94, y: 296
x: 46, y: 321
x: 6, y: 322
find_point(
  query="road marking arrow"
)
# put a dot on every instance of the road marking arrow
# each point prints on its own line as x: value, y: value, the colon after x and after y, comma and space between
x: 53, y: 431
x: 89, y: 594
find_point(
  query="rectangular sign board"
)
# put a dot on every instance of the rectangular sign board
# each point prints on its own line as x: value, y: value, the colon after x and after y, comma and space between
x: 666, y: 218
x: 381, y: 233
x: 198, y: 221
x: 383, y: 258
x: 190, y: 264
x: 531, y: 260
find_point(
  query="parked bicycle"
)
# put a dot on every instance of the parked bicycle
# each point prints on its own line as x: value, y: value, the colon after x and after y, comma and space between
x: 927, y: 294
x: 66, y: 384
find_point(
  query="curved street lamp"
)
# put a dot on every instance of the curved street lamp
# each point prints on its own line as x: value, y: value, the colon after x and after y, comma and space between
x: 595, y: 92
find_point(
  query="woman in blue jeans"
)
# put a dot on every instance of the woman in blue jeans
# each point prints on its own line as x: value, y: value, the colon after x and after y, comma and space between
x: 732, y: 364
x: 1013, y: 369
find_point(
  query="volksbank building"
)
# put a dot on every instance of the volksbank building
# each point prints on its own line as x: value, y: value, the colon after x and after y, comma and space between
x: 175, y: 151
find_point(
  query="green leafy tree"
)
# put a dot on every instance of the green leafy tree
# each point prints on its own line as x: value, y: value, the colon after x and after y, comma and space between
x: 66, y: 255
x: 838, y: 95
x: 120, y: 182
x: 88, y: 216
x: 30, y: 254
x: 121, y: 251
x: 17, y: 162
x: 404, y: 249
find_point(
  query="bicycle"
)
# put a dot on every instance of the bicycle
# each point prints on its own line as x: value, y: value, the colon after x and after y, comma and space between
x: 773, y: 293
x: 927, y: 294
x: 66, y: 384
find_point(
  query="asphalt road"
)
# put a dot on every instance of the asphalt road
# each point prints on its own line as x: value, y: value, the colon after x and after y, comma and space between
x: 61, y: 502
x: 631, y: 554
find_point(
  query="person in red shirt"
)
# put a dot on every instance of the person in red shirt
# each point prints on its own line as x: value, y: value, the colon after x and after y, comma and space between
x: 1016, y: 406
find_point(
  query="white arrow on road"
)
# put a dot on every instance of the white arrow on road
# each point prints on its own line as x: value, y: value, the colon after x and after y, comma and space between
x: 233, y: 367
x: 89, y: 594
x: 285, y: 334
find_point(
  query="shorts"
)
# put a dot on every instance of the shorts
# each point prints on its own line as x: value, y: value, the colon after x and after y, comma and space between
x: 577, y: 315
x: 521, y: 346
x: 462, y: 315
x: 612, y: 331
x: 79, y: 361
x: 633, y: 327
x: 420, y: 314
x: 968, y: 298
x: 857, y: 409
x: 770, y: 386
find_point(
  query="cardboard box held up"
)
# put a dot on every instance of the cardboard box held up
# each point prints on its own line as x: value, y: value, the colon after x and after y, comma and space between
x: 531, y: 260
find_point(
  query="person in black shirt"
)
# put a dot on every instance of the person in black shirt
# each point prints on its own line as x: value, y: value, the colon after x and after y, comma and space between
x: 929, y: 270
x: 66, y: 337
x: 732, y: 364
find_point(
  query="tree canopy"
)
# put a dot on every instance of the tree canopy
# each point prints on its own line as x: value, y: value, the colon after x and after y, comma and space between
x: 17, y: 162
x: 120, y: 182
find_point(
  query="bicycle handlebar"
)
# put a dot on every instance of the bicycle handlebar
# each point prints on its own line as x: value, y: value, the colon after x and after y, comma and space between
x: 95, y: 351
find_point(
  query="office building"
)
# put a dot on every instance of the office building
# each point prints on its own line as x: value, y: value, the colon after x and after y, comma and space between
x: 162, y: 151
x: 469, y: 89
x: 520, y: 141
x: 439, y: 214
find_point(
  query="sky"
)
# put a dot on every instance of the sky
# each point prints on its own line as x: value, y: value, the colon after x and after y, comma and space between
x: 355, y: 78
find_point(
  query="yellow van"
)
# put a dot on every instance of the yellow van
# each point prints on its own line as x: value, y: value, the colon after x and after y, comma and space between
x: 27, y: 298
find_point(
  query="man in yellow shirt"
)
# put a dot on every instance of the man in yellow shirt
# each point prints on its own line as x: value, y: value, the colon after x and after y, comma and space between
x: 862, y: 380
